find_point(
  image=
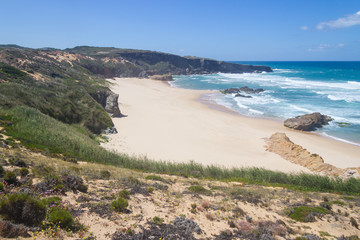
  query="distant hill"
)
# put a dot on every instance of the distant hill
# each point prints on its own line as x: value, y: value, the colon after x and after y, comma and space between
x: 143, y: 63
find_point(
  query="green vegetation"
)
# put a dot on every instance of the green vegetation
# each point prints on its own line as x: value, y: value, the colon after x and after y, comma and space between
x: 124, y: 194
x: 2, y: 171
x: 306, y: 213
x: 105, y: 174
x: 10, y: 178
x: 22, y: 208
x: 199, y: 189
x: 155, y: 178
x: 52, y: 201
x: 120, y: 204
x: 24, y: 172
x: 60, y: 217
x: 158, y: 220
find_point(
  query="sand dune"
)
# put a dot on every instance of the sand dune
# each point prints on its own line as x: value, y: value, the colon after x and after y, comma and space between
x: 166, y: 123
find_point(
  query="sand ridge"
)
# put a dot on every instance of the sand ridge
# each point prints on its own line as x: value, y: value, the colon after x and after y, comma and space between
x: 167, y: 123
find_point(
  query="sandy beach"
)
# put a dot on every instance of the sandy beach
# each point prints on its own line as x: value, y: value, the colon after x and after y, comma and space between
x: 167, y: 123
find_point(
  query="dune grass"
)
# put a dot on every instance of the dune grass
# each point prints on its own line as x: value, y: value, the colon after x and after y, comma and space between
x: 39, y: 131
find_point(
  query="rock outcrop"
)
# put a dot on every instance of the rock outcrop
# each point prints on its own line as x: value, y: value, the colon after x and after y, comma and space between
x: 308, y: 122
x: 109, y: 101
x: 165, y: 77
x: 280, y: 144
x: 243, y: 90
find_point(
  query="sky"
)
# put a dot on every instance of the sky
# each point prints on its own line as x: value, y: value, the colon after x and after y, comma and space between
x: 244, y: 30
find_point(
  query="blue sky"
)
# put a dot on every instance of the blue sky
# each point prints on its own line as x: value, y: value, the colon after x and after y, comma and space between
x: 246, y: 30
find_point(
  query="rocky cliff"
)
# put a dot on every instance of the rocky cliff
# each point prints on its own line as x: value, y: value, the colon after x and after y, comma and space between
x: 141, y: 63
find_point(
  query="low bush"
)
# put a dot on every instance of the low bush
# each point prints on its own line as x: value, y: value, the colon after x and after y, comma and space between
x: 105, y: 174
x: 17, y: 162
x: 24, y: 172
x: 124, y: 194
x: 10, y: 178
x: 60, y: 217
x: 74, y: 183
x: 120, y: 204
x: 2, y: 171
x: 157, y: 220
x: 199, y: 189
x: 155, y: 178
x: 23, y: 208
x: 51, y: 201
x: 306, y: 213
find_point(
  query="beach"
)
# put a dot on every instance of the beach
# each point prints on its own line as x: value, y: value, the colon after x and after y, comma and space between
x: 172, y: 124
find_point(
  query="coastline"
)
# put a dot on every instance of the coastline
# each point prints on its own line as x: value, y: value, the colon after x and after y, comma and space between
x: 175, y: 124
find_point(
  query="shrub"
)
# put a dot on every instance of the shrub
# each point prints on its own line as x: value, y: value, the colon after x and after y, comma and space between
x: 120, y: 204
x: 60, y: 217
x: 24, y: 172
x: 17, y: 162
x: 307, y: 213
x: 124, y: 194
x: 1, y: 187
x: 155, y: 178
x: 199, y: 189
x: 2, y: 171
x: 157, y: 220
x: 10, y: 230
x: 52, y: 201
x: 22, y: 208
x: 74, y: 183
x: 105, y: 174
x: 354, y: 223
x: 10, y: 178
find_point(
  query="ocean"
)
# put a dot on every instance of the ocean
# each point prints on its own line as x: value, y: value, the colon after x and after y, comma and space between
x: 293, y: 89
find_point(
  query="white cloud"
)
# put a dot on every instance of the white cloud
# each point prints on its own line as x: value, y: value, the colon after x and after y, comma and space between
x: 348, y: 21
x: 304, y: 28
x: 325, y: 46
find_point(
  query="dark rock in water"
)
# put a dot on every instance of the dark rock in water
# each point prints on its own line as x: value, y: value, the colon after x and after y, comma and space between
x: 250, y: 90
x: 231, y: 90
x: 242, y: 89
x: 244, y: 96
x: 308, y: 122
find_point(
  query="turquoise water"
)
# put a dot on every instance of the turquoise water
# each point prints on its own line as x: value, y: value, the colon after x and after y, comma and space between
x: 294, y: 88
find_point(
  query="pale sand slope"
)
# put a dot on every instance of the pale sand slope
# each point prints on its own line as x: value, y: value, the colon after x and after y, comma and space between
x: 166, y: 123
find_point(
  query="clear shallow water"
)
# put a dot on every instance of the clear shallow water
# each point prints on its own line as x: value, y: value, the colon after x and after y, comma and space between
x: 294, y: 88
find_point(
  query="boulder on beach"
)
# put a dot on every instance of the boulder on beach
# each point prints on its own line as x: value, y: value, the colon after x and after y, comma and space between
x: 308, y: 122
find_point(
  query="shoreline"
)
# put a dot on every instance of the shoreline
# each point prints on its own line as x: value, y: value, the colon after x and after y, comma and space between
x: 173, y: 124
x: 218, y: 107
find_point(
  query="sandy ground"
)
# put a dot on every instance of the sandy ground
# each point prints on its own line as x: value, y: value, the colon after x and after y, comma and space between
x: 166, y: 123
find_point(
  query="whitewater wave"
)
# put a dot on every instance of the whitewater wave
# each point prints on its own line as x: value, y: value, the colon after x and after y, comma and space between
x: 266, y: 79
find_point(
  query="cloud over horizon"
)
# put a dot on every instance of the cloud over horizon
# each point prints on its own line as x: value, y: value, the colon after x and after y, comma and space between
x: 325, y: 46
x: 348, y: 21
